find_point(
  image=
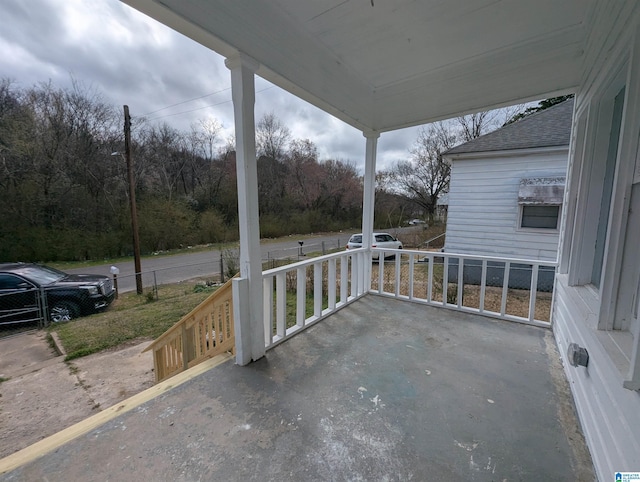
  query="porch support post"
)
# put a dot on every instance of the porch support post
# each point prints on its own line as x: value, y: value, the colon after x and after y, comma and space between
x: 368, y: 200
x: 249, y: 325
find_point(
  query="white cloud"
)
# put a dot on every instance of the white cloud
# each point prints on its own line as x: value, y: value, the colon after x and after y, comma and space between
x: 131, y: 59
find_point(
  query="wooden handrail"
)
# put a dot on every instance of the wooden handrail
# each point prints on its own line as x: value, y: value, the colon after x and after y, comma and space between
x: 206, y: 331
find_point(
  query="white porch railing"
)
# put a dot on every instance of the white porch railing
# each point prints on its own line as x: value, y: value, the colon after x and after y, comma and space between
x: 508, y: 288
x: 301, y: 294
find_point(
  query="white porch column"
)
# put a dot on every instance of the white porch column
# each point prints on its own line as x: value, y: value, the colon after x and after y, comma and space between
x: 368, y: 198
x: 249, y: 326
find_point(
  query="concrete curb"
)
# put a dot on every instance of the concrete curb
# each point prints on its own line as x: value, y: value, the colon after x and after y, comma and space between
x: 57, y: 344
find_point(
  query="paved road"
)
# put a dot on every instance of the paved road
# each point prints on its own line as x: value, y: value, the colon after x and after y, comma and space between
x: 206, y: 264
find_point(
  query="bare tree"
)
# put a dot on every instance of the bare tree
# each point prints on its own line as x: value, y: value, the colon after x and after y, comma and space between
x: 207, y: 134
x: 304, y: 172
x: 272, y: 137
x: 427, y: 175
x: 340, y: 188
x: 475, y: 125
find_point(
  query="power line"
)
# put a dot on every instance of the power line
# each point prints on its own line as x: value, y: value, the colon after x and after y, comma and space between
x: 186, y: 101
x: 199, y: 108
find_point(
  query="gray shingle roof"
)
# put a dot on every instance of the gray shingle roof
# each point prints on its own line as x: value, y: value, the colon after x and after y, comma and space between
x: 548, y: 128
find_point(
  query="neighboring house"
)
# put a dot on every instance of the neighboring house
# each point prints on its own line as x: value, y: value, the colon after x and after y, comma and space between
x: 506, y: 189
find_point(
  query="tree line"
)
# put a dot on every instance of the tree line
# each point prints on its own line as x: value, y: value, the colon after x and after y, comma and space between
x: 64, y: 191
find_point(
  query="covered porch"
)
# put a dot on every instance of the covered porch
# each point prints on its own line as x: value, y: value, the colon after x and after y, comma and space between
x: 411, y: 385
x: 383, y: 389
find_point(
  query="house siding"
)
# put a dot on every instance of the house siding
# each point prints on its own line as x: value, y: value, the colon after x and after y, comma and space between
x: 608, y: 412
x: 484, y: 213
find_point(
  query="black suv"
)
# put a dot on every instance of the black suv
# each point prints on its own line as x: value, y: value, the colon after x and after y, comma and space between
x: 31, y: 292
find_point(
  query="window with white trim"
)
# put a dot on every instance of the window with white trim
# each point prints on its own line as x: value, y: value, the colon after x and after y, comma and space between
x: 540, y: 199
x: 603, y: 247
x: 539, y: 216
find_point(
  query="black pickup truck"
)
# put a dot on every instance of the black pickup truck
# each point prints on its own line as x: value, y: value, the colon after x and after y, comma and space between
x: 31, y: 292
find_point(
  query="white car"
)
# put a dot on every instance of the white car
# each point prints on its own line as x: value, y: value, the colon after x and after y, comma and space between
x: 380, y: 240
x: 415, y: 222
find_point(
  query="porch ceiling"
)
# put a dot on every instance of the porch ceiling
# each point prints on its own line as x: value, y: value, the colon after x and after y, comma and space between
x: 387, y: 64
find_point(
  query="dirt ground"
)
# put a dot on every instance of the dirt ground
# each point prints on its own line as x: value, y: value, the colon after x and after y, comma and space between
x: 42, y: 394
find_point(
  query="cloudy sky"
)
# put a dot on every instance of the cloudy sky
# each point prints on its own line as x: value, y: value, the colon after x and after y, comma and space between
x: 160, y: 74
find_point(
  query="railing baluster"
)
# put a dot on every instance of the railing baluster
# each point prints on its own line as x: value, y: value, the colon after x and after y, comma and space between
x: 344, y: 283
x: 354, y: 275
x: 483, y: 285
x: 505, y: 288
x: 201, y: 348
x: 460, y: 281
x: 445, y: 280
x: 411, y: 270
x: 533, y: 291
x: 159, y: 362
x: 185, y: 350
x: 317, y: 289
x: 430, y: 267
x: 281, y: 304
x: 331, y: 282
x: 398, y: 259
x: 362, y: 263
x: 267, y: 308
x: 380, y: 276
x: 301, y: 296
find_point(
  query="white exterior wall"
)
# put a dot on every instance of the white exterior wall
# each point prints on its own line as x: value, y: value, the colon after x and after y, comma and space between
x: 609, y: 413
x: 484, y: 213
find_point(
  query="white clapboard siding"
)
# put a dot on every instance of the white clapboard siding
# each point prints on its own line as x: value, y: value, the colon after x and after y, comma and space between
x: 484, y: 214
x: 609, y: 413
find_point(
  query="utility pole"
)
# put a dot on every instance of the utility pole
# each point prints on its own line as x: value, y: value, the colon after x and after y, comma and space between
x: 132, y: 199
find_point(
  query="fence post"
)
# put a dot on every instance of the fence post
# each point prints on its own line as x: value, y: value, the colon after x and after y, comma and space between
x: 221, y: 268
x: 324, y: 251
x: 44, y: 309
x: 155, y: 284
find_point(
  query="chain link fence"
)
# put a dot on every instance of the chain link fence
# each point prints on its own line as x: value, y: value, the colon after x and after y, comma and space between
x: 21, y: 311
x: 25, y: 306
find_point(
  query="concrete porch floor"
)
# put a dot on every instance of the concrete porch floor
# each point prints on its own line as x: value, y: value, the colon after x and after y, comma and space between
x: 382, y: 390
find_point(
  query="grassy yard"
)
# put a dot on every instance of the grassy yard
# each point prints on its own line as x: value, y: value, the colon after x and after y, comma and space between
x: 131, y: 317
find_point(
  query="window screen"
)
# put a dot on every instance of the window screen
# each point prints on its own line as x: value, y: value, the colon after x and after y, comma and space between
x: 542, y: 217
